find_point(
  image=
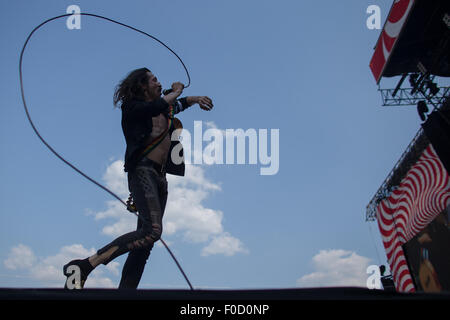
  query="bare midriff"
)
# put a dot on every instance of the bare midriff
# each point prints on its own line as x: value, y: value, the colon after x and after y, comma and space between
x: 160, y: 153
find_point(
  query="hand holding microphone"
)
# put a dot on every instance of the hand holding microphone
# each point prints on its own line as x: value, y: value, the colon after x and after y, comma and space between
x: 172, y: 94
x: 176, y: 86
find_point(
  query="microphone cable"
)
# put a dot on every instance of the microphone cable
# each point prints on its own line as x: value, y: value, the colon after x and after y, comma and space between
x: 54, y: 151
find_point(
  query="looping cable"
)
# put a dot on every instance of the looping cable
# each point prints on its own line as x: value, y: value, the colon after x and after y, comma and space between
x: 54, y: 151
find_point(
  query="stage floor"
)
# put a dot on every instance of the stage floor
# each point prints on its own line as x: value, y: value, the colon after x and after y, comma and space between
x: 334, y: 293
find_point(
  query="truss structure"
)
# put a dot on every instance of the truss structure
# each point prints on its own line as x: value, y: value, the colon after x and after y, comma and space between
x: 404, y: 97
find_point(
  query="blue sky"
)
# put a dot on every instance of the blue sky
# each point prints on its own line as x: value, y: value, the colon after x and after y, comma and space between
x: 298, y: 66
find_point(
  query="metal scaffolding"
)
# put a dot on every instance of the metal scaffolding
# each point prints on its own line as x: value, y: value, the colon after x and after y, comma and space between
x: 404, y: 97
x: 408, y: 158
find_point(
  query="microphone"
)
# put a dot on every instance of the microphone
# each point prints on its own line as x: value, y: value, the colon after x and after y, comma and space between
x: 167, y: 91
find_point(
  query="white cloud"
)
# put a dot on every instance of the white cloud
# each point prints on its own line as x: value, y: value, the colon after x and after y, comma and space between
x: 115, y: 178
x: 224, y: 244
x: 339, y: 268
x: 185, y: 212
x: 48, y: 270
x: 113, y: 267
x: 20, y: 257
x: 124, y: 221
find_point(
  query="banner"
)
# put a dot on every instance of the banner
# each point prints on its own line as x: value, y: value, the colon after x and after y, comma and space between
x: 422, y: 195
x: 391, y: 31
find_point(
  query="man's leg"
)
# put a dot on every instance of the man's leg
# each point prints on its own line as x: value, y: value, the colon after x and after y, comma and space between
x: 146, y: 190
x: 144, y: 184
x: 134, y: 268
x: 137, y: 259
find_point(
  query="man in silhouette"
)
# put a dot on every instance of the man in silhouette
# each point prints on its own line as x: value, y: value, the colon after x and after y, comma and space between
x: 147, y: 123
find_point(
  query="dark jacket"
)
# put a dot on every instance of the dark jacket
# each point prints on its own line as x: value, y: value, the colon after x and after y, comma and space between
x: 137, y: 127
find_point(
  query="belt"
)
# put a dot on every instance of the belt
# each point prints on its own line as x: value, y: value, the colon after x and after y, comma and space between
x: 160, y: 168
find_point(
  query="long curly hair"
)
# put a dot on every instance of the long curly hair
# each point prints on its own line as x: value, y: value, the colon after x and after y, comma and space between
x: 131, y: 87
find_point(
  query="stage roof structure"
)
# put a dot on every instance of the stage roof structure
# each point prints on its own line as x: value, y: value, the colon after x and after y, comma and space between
x: 416, y: 31
x: 414, y: 42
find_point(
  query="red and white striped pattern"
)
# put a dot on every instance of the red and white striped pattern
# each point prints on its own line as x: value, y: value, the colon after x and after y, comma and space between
x: 420, y: 197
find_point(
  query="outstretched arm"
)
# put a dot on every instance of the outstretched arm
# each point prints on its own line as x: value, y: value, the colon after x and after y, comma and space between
x: 204, y: 102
